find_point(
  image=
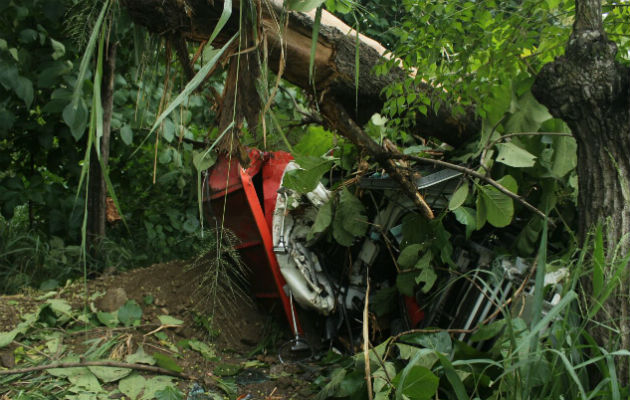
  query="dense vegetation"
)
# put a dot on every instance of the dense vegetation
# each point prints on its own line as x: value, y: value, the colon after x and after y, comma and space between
x: 481, y: 57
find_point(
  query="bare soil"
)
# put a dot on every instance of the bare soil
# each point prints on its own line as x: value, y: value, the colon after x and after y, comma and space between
x: 238, y: 338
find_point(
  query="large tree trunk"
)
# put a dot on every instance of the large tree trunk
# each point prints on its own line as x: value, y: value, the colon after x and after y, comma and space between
x: 590, y: 91
x: 97, y: 190
x: 334, y: 57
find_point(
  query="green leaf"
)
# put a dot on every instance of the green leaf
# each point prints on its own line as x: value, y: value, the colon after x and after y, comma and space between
x: 169, y: 393
x: 514, y: 156
x: 60, y: 307
x: 132, y: 386
x: 405, y: 282
x: 453, y: 378
x: 140, y: 357
x: 383, y: 301
x: 438, y: 341
x: 24, y: 90
x: 425, y: 261
x: 349, y: 221
x: 488, y: 331
x: 8, y: 75
x: 466, y: 216
x: 168, y: 130
x: 428, y: 277
x: 459, y: 197
x: 480, y: 211
x: 303, y: 5
x: 322, y: 221
x: 78, y: 376
x: 564, y: 156
x: 126, y: 134
x: 316, y: 142
x: 409, y: 256
x: 166, y: 362
x: 168, y: 320
x: 108, y: 319
x: 417, y: 383
x: 109, y: 374
x: 76, y: 117
x: 527, y: 114
x: 499, y: 207
x: 58, y: 49
x: 202, y: 160
x: 129, y: 313
x: 7, y: 337
x: 202, y: 348
x: 306, y: 178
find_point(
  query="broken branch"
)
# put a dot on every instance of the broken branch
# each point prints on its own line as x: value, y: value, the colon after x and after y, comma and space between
x: 117, y: 364
x: 337, y: 117
x: 468, y: 171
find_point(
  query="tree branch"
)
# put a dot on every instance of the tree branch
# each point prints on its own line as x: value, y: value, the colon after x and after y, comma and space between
x: 468, y: 171
x: 336, y: 116
x: 117, y: 364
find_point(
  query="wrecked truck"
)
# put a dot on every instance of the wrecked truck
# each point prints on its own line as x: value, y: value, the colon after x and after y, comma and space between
x: 315, y: 251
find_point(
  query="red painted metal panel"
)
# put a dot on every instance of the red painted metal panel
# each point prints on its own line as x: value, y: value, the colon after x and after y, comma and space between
x: 234, y: 203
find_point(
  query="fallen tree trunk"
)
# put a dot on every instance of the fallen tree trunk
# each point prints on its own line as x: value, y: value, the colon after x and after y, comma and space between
x: 334, y: 57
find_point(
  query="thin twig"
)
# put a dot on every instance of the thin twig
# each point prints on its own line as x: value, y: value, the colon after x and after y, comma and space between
x: 472, y: 173
x: 509, y: 135
x: 117, y: 364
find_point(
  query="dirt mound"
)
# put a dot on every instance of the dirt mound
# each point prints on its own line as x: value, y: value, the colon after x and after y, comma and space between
x: 237, y: 348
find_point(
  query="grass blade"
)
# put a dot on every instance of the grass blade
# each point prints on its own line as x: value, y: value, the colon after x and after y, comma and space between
x: 452, y: 377
x: 190, y: 87
x: 553, y: 313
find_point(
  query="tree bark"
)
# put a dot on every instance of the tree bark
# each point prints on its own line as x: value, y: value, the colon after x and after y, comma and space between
x: 590, y: 91
x: 97, y: 190
x: 334, y: 57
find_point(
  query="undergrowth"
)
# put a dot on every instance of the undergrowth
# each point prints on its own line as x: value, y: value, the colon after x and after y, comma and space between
x: 548, y: 353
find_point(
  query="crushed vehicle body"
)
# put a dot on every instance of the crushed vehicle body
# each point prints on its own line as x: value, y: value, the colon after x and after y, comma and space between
x: 287, y: 242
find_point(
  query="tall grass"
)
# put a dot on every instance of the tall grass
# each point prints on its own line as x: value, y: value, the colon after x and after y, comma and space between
x: 550, y: 354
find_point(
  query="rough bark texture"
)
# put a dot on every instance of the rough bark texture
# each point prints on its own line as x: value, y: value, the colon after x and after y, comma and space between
x: 334, y: 58
x: 591, y: 93
x: 97, y: 191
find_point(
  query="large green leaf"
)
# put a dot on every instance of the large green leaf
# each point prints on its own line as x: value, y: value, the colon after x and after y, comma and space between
x: 203, y: 348
x: 564, y: 157
x: 129, y: 313
x: 140, y: 357
x: 132, y: 386
x: 109, y: 374
x: 349, y: 221
x: 167, y: 362
x: 322, y: 221
x: 459, y: 197
x: 499, y: 207
x: 306, y: 178
x: 76, y: 117
x: 409, y: 256
x: 527, y: 114
x: 427, y: 276
x: 316, y: 142
x: 78, y: 376
x: 417, y: 383
x: 202, y: 160
x: 514, y: 156
x: 466, y: 216
x: 24, y: 90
